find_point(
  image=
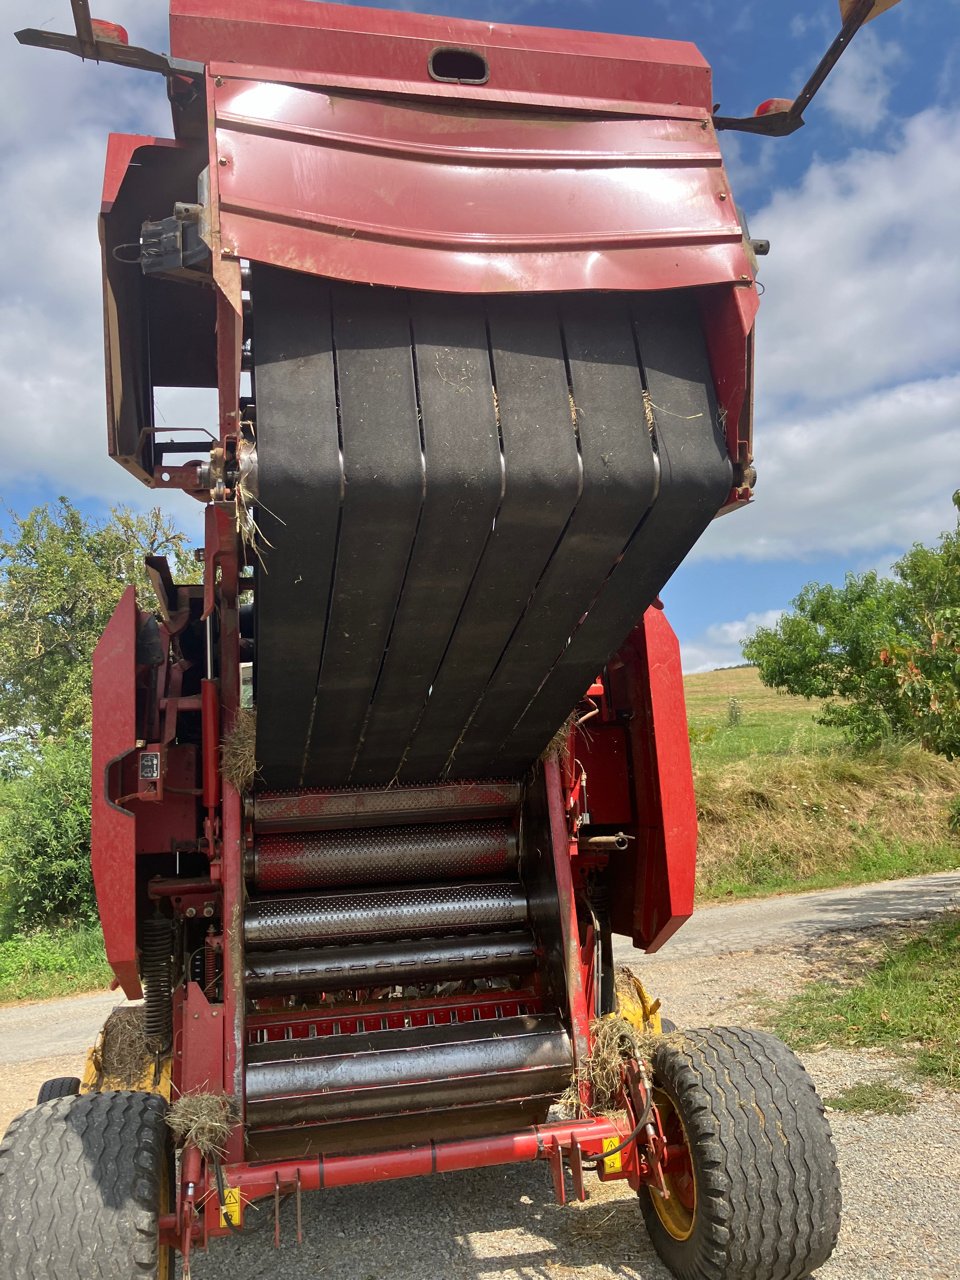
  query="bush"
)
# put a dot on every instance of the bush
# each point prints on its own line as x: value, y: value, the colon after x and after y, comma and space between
x: 45, y: 873
x: 53, y: 962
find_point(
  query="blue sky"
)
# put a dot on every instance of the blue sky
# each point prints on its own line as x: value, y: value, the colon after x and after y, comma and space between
x: 858, y: 394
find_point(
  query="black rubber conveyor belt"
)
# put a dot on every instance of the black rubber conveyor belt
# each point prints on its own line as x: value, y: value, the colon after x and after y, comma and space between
x: 469, y: 503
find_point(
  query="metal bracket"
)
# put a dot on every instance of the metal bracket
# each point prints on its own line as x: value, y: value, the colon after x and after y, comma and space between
x: 778, y: 124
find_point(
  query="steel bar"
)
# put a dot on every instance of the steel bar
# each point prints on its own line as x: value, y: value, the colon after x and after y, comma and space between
x: 383, y: 855
x: 387, y: 964
x: 257, y: 1181
x: 422, y: 911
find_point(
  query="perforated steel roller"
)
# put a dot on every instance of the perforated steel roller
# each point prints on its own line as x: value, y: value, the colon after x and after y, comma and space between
x: 422, y: 911
x: 383, y: 855
x: 387, y: 963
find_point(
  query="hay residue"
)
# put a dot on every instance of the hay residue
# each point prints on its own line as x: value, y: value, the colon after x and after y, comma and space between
x: 204, y: 1121
x: 239, y: 750
x: 614, y: 1041
x: 122, y: 1054
x: 559, y: 744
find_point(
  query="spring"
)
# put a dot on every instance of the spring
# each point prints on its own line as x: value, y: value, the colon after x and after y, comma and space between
x: 156, y: 964
x: 211, y: 965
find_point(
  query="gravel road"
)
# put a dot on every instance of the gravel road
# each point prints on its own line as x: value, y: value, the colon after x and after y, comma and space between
x: 901, y: 1174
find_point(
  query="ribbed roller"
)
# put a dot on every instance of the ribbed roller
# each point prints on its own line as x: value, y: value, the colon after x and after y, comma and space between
x: 423, y: 911
x: 384, y: 855
x: 389, y: 963
x: 423, y: 1068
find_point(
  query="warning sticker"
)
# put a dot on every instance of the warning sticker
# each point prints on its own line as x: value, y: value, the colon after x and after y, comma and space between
x: 612, y: 1164
x: 231, y: 1210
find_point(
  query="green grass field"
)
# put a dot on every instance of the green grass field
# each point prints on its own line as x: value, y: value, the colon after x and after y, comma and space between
x: 786, y: 805
x: 770, y: 723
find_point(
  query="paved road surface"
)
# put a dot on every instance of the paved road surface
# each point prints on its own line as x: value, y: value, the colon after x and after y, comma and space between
x: 787, y: 920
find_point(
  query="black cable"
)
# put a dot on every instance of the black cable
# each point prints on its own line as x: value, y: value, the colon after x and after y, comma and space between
x: 631, y: 1137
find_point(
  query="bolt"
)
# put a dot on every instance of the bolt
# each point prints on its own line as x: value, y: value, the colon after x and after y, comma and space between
x: 208, y: 911
x: 191, y: 912
x: 223, y: 159
x: 218, y: 81
x: 723, y: 195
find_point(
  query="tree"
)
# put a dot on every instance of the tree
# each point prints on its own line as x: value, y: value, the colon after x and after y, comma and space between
x: 45, y: 834
x: 61, y: 576
x: 885, y: 652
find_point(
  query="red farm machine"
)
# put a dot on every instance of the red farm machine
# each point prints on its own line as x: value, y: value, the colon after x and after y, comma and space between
x: 371, y: 800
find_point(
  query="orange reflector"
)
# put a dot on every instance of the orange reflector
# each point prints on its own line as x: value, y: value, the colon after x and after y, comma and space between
x: 773, y: 104
x: 109, y: 32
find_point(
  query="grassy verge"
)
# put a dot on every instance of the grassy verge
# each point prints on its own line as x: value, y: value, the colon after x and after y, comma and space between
x: 785, y: 805
x: 53, y: 962
x: 907, y: 1002
x: 874, y: 1098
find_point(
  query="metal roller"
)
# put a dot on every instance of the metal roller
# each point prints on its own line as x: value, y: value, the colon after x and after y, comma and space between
x: 422, y: 911
x: 388, y: 1072
x: 389, y: 963
x: 383, y: 855
x: 376, y: 807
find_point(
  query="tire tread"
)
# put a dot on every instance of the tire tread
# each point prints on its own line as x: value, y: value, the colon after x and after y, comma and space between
x: 80, y: 1185
x: 766, y: 1169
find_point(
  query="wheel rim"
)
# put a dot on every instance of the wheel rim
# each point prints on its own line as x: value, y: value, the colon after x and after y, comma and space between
x: 678, y: 1213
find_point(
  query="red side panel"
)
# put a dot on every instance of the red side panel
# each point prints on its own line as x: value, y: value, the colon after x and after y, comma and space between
x: 663, y: 776
x: 112, y: 829
x: 460, y: 198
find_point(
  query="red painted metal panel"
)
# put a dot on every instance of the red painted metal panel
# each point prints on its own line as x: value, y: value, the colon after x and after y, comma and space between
x: 380, y: 191
x: 728, y: 316
x: 113, y: 831
x: 663, y: 776
x: 390, y: 50
x: 602, y: 751
x: 200, y: 1050
x: 121, y: 148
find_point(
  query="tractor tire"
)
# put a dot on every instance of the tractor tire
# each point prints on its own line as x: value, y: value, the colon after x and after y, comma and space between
x: 58, y: 1087
x: 758, y: 1195
x: 83, y: 1182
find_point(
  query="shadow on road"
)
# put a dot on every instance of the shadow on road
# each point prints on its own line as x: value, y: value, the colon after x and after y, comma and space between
x: 487, y: 1224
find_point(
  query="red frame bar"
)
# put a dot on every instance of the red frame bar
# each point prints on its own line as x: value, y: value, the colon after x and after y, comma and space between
x: 257, y: 1181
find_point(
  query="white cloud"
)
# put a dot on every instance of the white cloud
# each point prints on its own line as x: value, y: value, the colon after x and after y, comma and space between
x: 857, y: 92
x: 57, y: 114
x: 862, y: 285
x: 719, y: 645
x: 736, y: 632
x: 864, y: 476
x: 857, y: 434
